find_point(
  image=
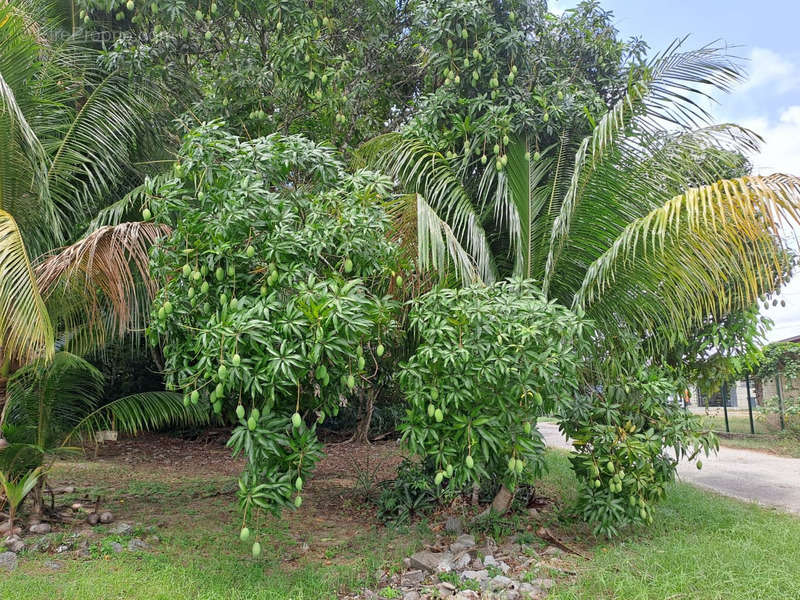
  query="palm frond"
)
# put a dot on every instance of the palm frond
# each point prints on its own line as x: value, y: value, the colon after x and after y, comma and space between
x: 529, y: 205
x: 107, y: 275
x: 437, y: 246
x: 670, y: 90
x: 147, y: 411
x: 421, y: 169
x: 114, y: 214
x: 15, y: 491
x: 49, y: 397
x: 705, y: 253
x: 91, y: 131
x: 25, y: 328
x: 23, y: 160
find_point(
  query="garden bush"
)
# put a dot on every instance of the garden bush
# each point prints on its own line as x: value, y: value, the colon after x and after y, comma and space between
x: 490, y: 360
x: 623, y: 431
x: 273, y: 303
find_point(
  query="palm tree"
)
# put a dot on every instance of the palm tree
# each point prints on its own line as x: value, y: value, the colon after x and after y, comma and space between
x: 632, y: 224
x: 54, y: 403
x: 70, y: 134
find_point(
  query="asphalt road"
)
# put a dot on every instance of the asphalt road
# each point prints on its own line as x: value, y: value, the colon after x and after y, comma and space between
x: 743, y: 474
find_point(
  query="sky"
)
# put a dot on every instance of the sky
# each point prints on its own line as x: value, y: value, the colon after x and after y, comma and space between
x: 765, y: 36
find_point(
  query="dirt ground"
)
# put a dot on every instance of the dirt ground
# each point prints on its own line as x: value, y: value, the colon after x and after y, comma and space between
x: 164, y: 480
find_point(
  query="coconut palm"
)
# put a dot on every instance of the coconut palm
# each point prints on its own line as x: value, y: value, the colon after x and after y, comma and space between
x: 69, y: 133
x: 55, y: 403
x: 632, y: 224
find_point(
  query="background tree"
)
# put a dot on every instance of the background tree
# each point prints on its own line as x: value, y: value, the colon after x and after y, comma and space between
x: 338, y: 72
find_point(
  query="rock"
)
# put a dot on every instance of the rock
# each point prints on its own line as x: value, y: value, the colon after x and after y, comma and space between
x: 8, y: 561
x: 53, y: 565
x: 407, y: 563
x: 83, y: 550
x: 503, y: 566
x: 40, y: 528
x: 463, y: 542
x: 552, y: 551
x: 116, y: 547
x: 63, y: 548
x: 92, y: 518
x: 454, y: 525
x: 461, y: 562
x: 106, y: 517
x: 489, y: 561
x: 85, y: 533
x: 14, y: 543
x: 435, y: 562
x: 533, y: 513
x: 510, y: 594
x: 120, y: 528
x: 479, y: 576
x: 412, y: 595
x: 543, y: 583
x: 531, y: 592
x: 4, y: 529
x: 445, y: 589
x: 467, y: 595
x: 499, y: 582
x: 510, y: 549
x: 412, y: 578
x: 136, y: 544
x: 476, y: 564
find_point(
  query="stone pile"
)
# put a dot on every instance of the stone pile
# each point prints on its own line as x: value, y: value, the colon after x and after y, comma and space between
x: 466, y: 570
x: 79, y: 543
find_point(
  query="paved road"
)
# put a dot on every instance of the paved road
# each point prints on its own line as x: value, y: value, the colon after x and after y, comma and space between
x: 744, y: 474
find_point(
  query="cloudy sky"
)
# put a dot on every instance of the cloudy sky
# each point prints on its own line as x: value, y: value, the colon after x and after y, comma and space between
x: 765, y: 35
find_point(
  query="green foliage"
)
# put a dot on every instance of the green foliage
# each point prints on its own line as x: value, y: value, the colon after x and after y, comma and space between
x: 490, y: 360
x: 773, y: 410
x: 485, y: 82
x: 722, y: 350
x: 15, y: 490
x: 272, y: 301
x: 779, y: 357
x: 622, y: 431
x: 411, y: 493
x: 334, y: 71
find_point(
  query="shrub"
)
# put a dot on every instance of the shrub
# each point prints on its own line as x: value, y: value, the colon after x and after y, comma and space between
x: 272, y: 301
x: 490, y: 360
x: 409, y: 494
x: 620, y: 431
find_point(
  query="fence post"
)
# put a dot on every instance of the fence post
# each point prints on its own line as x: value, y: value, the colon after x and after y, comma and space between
x: 779, y: 389
x: 725, y: 406
x: 749, y: 404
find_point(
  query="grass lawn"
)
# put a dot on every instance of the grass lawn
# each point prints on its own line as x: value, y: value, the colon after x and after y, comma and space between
x: 768, y: 437
x: 701, y: 546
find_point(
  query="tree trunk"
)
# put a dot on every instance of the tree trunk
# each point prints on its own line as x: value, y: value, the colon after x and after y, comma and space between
x: 475, y: 491
x: 501, y: 502
x: 362, y: 429
x: 37, y: 499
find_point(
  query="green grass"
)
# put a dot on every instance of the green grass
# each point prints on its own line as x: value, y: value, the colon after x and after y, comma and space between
x: 701, y: 547
x: 204, y: 563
